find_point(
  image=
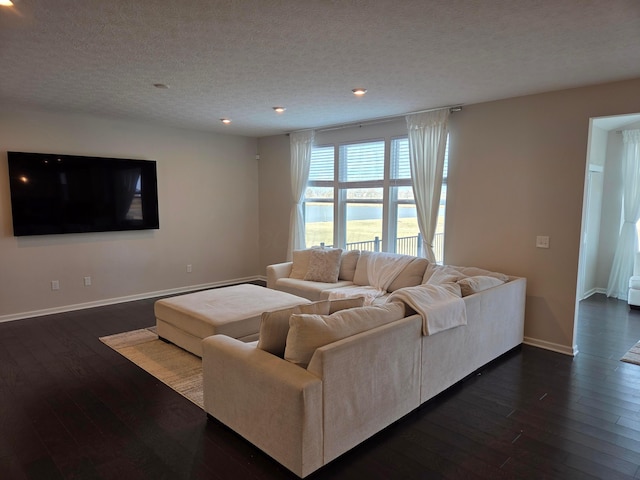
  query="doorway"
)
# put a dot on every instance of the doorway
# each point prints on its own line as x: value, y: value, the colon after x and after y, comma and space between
x: 602, y: 205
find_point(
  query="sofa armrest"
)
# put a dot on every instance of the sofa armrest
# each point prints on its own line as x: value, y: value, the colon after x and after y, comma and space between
x: 272, y: 403
x: 369, y: 380
x: 277, y: 271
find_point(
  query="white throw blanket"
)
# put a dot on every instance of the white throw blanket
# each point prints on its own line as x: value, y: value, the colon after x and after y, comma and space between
x: 440, y: 306
x: 383, y: 268
x: 368, y: 292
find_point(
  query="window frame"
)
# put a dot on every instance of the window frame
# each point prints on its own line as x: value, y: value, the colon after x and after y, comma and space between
x: 388, y: 184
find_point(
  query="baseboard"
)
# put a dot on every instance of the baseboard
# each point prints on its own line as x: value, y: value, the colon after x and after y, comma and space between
x: 554, y: 347
x: 594, y: 291
x: 128, y: 298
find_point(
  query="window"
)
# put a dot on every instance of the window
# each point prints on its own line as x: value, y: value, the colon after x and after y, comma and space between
x: 319, y: 204
x: 403, y: 217
x: 360, y: 196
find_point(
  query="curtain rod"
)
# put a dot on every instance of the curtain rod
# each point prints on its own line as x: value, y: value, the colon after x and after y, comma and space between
x: 375, y: 121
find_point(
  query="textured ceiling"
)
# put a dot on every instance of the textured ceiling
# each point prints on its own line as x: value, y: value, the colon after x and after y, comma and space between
x: 240, y: 58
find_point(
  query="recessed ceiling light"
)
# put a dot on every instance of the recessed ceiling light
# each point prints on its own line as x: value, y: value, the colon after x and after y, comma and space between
x: 359, y: 91
x: 279, y: 109
x: 161, y: 85
x: 6, y: 3
x: 226, y: 121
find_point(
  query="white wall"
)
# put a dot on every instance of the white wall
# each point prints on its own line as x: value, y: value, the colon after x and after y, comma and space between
x: 208, y: 197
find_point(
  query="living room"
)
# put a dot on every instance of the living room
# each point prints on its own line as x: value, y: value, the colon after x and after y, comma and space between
x: 540, y: 160
x: 517, y: 170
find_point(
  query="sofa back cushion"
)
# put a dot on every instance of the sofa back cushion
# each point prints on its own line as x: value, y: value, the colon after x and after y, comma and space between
x: 300, y: 263
x: 437, y: 274
x: 411, y: 276
x: 479, y: 283
x: 475, y: 271
x: 348, y: 264
x: 274, y: 325
x: 361, y: 273
x: 346, y: 303
x: 308, y: 332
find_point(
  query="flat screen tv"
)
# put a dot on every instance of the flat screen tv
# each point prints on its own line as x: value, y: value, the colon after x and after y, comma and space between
x: 57, y: 194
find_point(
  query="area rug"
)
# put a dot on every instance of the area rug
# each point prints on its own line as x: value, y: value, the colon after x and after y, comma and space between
x: 633, y: 355
x: 172, y: 365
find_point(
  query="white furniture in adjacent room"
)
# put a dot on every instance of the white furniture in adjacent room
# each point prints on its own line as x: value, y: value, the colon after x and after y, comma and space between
x: 634, y: 285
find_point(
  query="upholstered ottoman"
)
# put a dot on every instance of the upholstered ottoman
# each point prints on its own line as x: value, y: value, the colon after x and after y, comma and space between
x: 234, y: 311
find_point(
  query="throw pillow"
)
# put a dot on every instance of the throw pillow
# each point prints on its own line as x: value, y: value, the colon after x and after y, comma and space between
x: 300, y: 263
x: 274, y: 325
x: 309, y: 332
x: 348, y: 264
x: 471, y: 285
x: 324, y: 265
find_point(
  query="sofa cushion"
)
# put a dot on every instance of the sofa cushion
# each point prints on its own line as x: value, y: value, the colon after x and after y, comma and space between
x: 324, y: 265
x: 345, y: 303
x: 361, y: 275
x: 300, y: 263
x: 274, y: 325
x: 369, y: 293
x: 479, y: 283
x: 439, y: 274
x: 310, y: 290
x: 411, y: 275
x: 348, y: 264
x: 407, y: 278
x: 475, y: 271
x: 308, y: 332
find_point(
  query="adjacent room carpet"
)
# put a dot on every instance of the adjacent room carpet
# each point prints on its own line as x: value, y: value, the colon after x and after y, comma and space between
x: 172, y: 365
x: 633, y: 355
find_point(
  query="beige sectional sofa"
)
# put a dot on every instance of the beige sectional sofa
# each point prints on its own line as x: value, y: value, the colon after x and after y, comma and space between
x: 304, y: 416
x: 352, y: 275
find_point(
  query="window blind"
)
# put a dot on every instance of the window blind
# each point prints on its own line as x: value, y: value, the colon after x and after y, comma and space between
x: 400, y: 168
x: 362, y: 161
x: 322, y: 164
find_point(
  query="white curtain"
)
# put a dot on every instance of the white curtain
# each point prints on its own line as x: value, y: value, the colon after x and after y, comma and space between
x: 427, y: 142
x: 622, y: 268
x: 301, y: 144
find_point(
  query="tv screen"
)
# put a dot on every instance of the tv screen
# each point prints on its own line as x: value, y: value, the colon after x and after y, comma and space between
x: 53, y: 194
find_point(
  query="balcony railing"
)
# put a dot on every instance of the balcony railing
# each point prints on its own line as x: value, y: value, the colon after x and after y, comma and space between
x: 404, y: 245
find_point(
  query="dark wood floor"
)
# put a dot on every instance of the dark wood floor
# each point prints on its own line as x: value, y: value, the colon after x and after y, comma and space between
x: 70, y: 407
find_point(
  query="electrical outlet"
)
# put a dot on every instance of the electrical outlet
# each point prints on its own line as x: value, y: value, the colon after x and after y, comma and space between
x: 189, y: 269
x: 542, y: 241
x: 55, y: 285
x: 87, y: 281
